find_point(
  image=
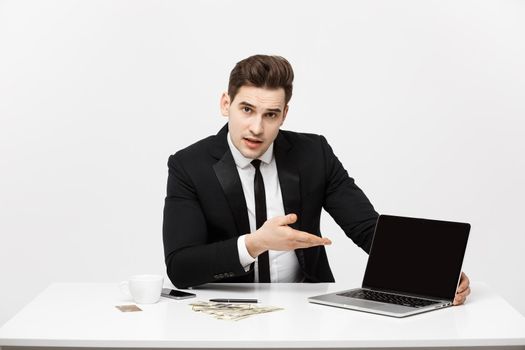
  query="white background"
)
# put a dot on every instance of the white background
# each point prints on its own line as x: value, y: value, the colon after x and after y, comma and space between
x: 423, y: 102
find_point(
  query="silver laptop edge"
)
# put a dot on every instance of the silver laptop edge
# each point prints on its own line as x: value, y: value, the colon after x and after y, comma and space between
x: 376, y: 307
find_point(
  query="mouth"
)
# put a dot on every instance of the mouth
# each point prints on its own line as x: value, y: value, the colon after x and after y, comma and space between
x: 252, y: 142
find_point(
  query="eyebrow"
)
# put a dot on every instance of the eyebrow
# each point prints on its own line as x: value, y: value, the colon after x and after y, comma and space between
x: 275, y: 110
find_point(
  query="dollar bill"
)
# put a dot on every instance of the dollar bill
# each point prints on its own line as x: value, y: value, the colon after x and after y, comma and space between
x: 230, y: 311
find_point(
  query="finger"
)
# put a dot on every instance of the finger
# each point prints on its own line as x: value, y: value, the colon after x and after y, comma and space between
x: 466, y: 280
x: 460, y: 298
x: 464, y: 293
x: 313, y: 243
x: 311, y: 240
x: 464, y: 283
x: 305, y: 236
x: 285, y: 219
x: 458, y: 301
x: 304, y: 245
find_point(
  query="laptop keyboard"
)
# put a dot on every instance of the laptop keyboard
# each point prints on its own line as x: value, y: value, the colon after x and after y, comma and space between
x: 387, y: 298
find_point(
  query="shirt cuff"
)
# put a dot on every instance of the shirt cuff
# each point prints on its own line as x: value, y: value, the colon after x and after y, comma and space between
x: 244, y: 257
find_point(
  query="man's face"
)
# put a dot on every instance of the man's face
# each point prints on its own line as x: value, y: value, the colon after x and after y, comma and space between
x: 254, y: 118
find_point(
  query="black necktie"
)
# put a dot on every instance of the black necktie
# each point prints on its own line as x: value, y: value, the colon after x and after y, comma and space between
x: 260, y: 218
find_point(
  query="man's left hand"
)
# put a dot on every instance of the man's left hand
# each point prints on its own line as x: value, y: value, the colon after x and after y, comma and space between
x: 463, y: 290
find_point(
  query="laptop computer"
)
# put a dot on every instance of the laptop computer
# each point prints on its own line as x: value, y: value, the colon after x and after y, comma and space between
x: 414, y: 266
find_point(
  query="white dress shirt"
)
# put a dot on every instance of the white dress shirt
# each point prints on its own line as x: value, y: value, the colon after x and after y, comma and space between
x: 284, y: 266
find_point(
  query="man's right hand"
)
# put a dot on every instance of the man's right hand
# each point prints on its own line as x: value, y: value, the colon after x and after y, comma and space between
x: 275, y: 234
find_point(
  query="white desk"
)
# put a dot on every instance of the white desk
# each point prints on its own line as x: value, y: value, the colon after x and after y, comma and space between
x: 84, y: 315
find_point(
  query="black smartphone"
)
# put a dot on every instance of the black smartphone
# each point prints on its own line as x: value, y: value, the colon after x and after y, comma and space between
x: 176, y: 294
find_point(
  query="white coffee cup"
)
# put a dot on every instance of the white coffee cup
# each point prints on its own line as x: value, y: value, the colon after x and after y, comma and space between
x: 143, y: 289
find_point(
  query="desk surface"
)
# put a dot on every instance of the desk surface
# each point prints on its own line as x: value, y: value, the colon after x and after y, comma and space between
x: 83, y: 314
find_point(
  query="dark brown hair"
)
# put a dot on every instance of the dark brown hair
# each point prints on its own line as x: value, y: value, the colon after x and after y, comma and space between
x: 264, y: 71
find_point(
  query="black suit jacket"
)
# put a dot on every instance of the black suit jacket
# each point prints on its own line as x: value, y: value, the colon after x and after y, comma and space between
x: 205, y: 210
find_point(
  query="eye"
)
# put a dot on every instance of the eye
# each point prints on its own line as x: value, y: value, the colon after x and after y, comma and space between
x: 246, y: 109
x: 271, y: 115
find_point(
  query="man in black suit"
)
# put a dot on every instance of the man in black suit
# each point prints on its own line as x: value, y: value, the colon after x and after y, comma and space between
x: 245, y: 205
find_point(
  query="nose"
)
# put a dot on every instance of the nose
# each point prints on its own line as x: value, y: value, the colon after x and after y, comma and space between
x: 256, y: 125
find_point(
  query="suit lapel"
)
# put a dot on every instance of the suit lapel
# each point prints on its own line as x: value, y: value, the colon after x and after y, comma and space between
x: 290, y: 183
x: 288, y: 177
x: 226, y: 172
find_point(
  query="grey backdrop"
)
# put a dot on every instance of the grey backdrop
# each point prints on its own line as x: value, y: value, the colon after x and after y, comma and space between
x: 423, y: 102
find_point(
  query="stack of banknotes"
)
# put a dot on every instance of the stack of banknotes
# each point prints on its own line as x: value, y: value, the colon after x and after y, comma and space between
x: 230, y: 311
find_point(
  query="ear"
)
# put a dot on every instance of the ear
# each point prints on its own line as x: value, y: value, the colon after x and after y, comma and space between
x: 225, y: 104
x: 285, y: 112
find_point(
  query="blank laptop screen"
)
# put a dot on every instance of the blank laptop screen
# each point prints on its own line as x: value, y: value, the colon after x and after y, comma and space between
x: 416, y: 256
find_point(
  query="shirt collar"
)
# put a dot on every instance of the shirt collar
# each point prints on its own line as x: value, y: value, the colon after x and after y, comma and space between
x: 241, y: 161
